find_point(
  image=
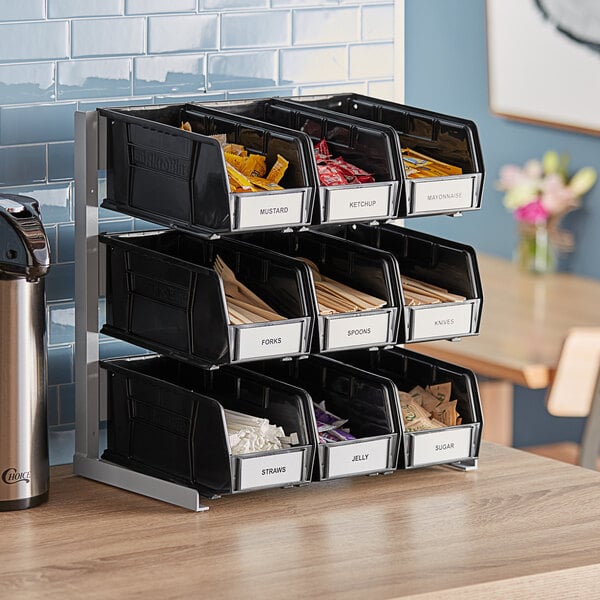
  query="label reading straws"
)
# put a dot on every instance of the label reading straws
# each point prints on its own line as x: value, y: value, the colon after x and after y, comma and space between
x: 274, y: 469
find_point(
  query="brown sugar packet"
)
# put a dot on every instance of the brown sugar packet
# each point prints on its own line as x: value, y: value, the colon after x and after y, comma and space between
x: 415, y: 417
x: 442, y: 391
x: 438, y: 403
x: 424, y: 398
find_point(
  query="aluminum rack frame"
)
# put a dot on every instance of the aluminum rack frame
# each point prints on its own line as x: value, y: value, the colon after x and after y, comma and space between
x: 90, y: 381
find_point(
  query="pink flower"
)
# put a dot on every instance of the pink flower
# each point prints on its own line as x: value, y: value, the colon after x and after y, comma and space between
x: 557, y: 198
x: 533, y: 213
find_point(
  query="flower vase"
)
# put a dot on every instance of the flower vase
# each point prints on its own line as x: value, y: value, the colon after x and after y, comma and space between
x: 535, y: 252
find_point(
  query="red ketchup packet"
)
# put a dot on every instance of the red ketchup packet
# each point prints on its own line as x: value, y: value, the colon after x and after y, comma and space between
x: 337, y: 171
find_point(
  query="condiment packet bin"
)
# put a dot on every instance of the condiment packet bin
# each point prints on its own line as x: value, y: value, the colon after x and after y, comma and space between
x: 367, y: 401
x: 164, y: 294
x: 177, y: 178
x: 366, y: 269
x: 166, y: 419
x: 446, y: 138
x: 435, y: 260
x: 369, y: 146
x: 457, y: 445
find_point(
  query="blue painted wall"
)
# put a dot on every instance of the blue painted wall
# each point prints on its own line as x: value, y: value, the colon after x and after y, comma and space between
x: 446, y: 70
x: 57, y: 56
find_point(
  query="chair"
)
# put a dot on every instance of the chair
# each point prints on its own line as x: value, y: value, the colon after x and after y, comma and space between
x: 575, y: 389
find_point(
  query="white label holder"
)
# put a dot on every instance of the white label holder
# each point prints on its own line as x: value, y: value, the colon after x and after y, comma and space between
x: 369, y: 328
x: 446, y: 445
x: 283, y: 468
x: 357, y: 458
x: 441, y: 195
x: 256, y: 210
x: 441, y: 321
x: 359, y: 203
x: 268, y: 339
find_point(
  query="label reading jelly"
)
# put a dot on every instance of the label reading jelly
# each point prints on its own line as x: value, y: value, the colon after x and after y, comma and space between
x: 358, y: 457
x: 443, y: 195
x: 269, y: 340
x: 258, y: 210
x: 357, y: 204
x: 441, y: 321
x: 275, y: 469
x: 441, y: 446
x: 359, y: 330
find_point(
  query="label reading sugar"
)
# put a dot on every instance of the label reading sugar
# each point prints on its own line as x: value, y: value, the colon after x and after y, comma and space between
x: 258, y: 210
x: 359, y: 330
x: 446, y: 194
x: 359, y: 457
x: 359, y: 203
x: 274, y: 469
x: 441, y: 321
x: 269, y: 340
x: 441, y: 446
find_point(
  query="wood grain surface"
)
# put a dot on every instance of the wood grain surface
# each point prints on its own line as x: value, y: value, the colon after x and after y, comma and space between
x: 522, y: 526
x: 525, y: 321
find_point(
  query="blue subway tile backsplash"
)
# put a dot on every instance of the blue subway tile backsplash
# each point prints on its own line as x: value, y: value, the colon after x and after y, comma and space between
x: 194, y: 33
x: 60, y: 364
x: 35, y: 40
x: 98, y: 78
x: 303, y: 65
x: 169, y: 74
x: 22, y: 164
x: 148, y: 7
x: 331, y: 26
x: 24, y: 10
x: 234, y: 70
x: 373, y: 61
x: 232, y: 4
x: 61, y: 157
x: 58, y: 56
x: 29, y: 82
x: 377, y: 22
x: 271, y: 28
x: 36, y: 124
x: 61, y: 323
x: 89, y: 8
x: 108, y: 37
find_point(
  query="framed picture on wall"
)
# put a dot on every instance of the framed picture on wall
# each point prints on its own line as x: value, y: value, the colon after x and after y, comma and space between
x: 544, y: 61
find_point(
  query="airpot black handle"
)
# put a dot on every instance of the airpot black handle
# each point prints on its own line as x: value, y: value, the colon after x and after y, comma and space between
x: 24, y: 250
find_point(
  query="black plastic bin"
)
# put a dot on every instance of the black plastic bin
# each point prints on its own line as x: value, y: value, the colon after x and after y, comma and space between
x: 370, y: 146
x: 456, y: 445
x: 367, y: 401
x: 177, y: 178
x: 452, y: 140
x: 164, y: 294
x: 434, y: 260
x: 166, y: 419
x: 366, y: 269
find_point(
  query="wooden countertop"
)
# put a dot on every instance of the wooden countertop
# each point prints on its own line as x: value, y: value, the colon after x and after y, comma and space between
x: 521, y: 526
x: 525, y: 320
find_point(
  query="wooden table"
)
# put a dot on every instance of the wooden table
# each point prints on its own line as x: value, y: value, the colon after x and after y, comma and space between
x: 525, y: 320
x: 521, y: 526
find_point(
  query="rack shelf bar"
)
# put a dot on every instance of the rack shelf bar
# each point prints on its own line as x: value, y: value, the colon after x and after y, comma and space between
x: 90, y: 393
